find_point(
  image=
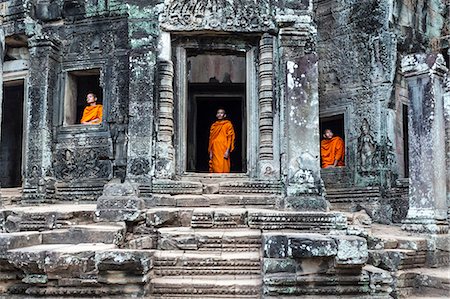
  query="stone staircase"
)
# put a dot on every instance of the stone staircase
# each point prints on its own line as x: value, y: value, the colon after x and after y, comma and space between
x: 198, y: 251
x: 419, y: 264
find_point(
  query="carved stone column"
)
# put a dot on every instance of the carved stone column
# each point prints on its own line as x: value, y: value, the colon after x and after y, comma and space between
x: 2, y: 54
x: 42, y: 89
x: 447, y: 138
x: 301, y: 153
x: 142, y: 95
x: 425, y: 76
x: 266, y: 106
x: 140, y: 124
x: 165, y: 165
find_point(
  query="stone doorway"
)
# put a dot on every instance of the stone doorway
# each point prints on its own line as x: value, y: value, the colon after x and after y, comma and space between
x: 12, y: 134
x: 203, y: 103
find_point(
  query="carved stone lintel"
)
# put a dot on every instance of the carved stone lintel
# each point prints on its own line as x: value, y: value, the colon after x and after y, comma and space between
x: 217, y: 15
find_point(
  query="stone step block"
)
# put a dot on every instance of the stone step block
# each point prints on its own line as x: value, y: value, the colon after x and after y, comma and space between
x: 46, y: 217
x: 107, y: 233
x: 315, y: 284
x: 244, y: 200
x: 304, y: 221
x: 169, y: 217
x: 16, y: 240
x: 198, y: 286
x: 219, y: 217
x: 53, y: 261
x: 183, y: 263
x: 396, y: 259
x: 183, y: 238
x: 124, y: 266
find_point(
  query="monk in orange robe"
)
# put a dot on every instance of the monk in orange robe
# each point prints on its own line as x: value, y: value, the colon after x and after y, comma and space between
x: 221, y: 143
x: 332, y: 150
x: 93, y: 113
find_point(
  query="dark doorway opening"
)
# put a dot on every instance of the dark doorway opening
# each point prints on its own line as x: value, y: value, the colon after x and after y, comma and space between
x: 405, y: 140
x: 335, y: 123
x: 12, y: 135
x: 204, y: 101
x: 216, y: 79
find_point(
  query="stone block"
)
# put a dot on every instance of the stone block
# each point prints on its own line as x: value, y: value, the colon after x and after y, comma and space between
x: 17, y: 240
x: 125, y: 260
x: 120, y: 189
x: 351, y: 251
x: 298, y: 245
x: 276, y: 265
x: 162, y: 217
x: 120, y: 203
x: 191, y: 201
x: 108, y: 233
x: 145, y: 242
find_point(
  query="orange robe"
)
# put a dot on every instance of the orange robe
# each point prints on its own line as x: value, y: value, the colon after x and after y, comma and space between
x: 92, y: 112
x: 221, y: 138
x: 331, y: 150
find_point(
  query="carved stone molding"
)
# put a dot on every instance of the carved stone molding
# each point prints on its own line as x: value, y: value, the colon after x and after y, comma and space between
x: 217, y: 15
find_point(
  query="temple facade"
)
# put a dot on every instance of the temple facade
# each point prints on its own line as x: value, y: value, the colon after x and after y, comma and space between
x: 374, y: 72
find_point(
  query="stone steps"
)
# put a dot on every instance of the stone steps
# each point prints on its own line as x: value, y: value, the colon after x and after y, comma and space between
x: 219, y: 286
x: 213, y: 200
x: 184, y: 263
x: 397, y: 259
x: 57, y: 260
x: 184, y: 238
x: 46, y: 217
x: 231, y: 217
x: 424, y: 281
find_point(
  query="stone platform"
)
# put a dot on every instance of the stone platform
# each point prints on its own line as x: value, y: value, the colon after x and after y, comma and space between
x: 214, y: 252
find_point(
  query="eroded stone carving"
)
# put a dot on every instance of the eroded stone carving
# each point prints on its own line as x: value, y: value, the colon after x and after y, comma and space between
x: 81, y: 163
x: 224, y: 15
x: 367, y: 147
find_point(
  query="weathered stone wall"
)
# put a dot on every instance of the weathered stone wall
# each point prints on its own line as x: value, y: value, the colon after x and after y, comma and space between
x: 357, y: 55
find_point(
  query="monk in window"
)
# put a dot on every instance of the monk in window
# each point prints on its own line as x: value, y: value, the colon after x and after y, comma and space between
x: 93, y: 113
x: 332, y: 150
x: 221, y: 143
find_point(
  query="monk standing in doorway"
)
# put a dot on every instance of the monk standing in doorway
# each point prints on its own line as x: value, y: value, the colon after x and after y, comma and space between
x: 93, y: 113
x: 332, y: 149
x: 221, y: 143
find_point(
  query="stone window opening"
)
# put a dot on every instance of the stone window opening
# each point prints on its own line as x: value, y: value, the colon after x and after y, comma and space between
x: 215, y: 79
x: 78, y: 84
x: 336, y: 123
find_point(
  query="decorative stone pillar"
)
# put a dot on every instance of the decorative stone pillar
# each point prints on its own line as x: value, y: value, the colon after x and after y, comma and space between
x: 300, y: 108
x: 140, y: 124
x: 2, y: 54
x: 142, y: 95
x: 165, y: 166
x: 42, y: 90
x: 425, y: 76
x: 267, y: 167
x: 447, y: 131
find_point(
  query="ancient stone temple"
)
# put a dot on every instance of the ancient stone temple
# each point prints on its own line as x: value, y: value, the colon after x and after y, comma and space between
x: 128, y: 208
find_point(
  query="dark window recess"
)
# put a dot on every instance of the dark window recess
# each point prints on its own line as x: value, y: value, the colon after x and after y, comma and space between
x: 335, y: 123
x: 11, y: 135
x: 405, y: 139
x: 78, y: 85
x: 215, y: 80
